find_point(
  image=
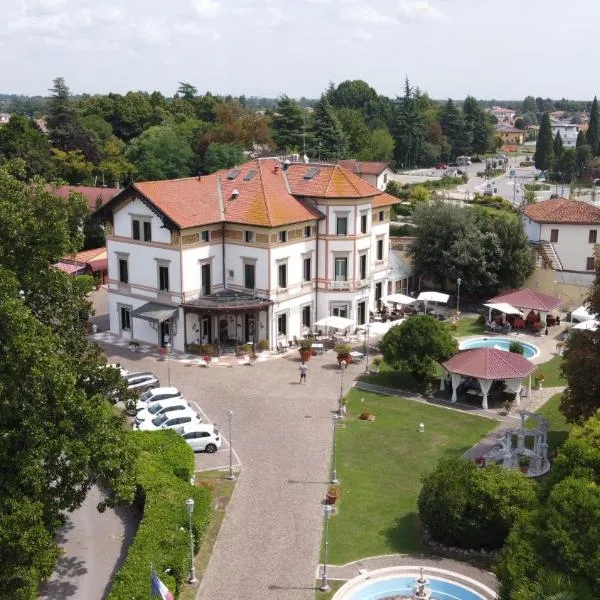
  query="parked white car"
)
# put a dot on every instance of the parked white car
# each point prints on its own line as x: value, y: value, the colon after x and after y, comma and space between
x: 168, y: 420
x: 201, y: 436
x: 160, y: 407
x: 156, y: 394
x: 141, y: 382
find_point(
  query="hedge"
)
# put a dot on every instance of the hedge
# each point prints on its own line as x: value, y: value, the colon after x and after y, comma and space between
x: 164, y: 469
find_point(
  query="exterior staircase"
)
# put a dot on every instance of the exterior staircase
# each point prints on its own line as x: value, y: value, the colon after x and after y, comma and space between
x: 547, y: 256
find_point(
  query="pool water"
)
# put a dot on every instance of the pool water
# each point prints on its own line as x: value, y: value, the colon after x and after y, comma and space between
x: 499, y: 343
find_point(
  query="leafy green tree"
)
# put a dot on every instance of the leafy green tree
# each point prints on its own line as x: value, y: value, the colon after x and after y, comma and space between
x: 455, y: 502
x: 355, y: 130
x: 458, y: 132
x: 132, y: 114
x: 552, y: 585
x: 593, y: 132
x: 99, y: 127
x: 520, y: 123
x: 409, y: 130
x: 544, y: 154
x: 187, y: 91
x: 566, y: 164
x: 356, y: 95
x: 478, y: 122
x: 222, y: 156
x: 62, y: 117
x: 557, y: 146
x: 20, y: 138
x: 159, y: 153
x: 329, y: 141
x: 288, y: 125
x: 380, y: 146
x: 529, y: 105
x: 417, y: 345
x: 581, y: 141
x: 72, y: 166
x: 115, y: 169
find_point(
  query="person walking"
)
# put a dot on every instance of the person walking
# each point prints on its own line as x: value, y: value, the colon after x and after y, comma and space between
x: 303, y: 370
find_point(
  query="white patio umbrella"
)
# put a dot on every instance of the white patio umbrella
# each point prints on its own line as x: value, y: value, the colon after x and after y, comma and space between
x: 335, y: 322
x: 587, y: 325
x: 399, y: 299
x: 582, y: 314
x: 433, y: 297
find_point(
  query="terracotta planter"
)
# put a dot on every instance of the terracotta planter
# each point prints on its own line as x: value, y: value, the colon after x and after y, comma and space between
x: 331, y: 499
x: 524, y: 468
x: 305, y: 354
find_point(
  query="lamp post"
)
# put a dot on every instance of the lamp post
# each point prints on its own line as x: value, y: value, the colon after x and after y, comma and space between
x: 230, y: 419
x: 189, y: 506
x: 324, y: 583
x: 458, y: 282
x: 334, y: 478
x: 168, y: 347
x: 343, y: 366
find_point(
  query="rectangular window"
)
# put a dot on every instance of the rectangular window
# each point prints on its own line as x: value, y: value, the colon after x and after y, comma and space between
x: 206, y: 282
x: 381, y: 215
x: 341, y: 226
x: 307, y: 269
x: 282, y: 324
x: 205, y: 236
x: 554, y: 235
x: 379, y: 249
x: 362, y: 265
x: 249, y: 236
x: 123, y: 270
x: 307, y: 231
x: 282, y: 276
x: 363, y: 223
x: 163, y: 279
x: 282, y: 237
x: 385, y: 178
x: 147, y: 231
x: 135, y: 229
x: 590, y: 263
x: 362, y: 313
x: 125, y: 319
x: 340, y: 311
x: 593, y: 236
x: 341, y: 269
x: 306, y: 316
x: 249, y: 276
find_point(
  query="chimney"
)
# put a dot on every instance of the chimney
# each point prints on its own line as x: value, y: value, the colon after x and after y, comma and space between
x: 276, y: 169
x: 286, y: 164
x: 234, y: 194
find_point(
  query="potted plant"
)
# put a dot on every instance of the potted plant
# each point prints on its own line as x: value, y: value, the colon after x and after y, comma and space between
x: 333, y: 493
x: 343, y: 353
x: 524, y: 462
x: 206, y: 351
x: 376, y: 362
x: 243, y: 350
x: 507, y: 406
x: 262, y: 345
x: 305, y: 349
x: 539, y: 378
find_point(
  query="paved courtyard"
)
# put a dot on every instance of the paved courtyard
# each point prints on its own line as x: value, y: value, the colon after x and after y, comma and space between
x: 282, y: 432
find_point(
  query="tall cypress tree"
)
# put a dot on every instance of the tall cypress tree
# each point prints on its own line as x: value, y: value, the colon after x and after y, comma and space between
x: 581, y: 141
x: 329, y: 140
x: 557, y: 146
x: 593, y: 132
x: 544, y: 148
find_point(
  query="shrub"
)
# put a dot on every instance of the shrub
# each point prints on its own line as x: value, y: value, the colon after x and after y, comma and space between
x: 402, y: 230
x: 164, y: 468
x: 536, y: 187
x: 526, y: 163
x: 516, y: 348
x: 468, y: 507
x: 262, y: 345
x: 305, y: 344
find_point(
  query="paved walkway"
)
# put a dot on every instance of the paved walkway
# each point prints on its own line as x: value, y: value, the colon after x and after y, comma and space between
x: 269, y: 542
x: 351, y: 570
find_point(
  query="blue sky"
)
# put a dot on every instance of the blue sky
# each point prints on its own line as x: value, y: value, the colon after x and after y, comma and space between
x: 449, y: 48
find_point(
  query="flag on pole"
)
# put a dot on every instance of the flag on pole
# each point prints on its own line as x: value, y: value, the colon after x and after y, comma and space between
x: 158, y: 589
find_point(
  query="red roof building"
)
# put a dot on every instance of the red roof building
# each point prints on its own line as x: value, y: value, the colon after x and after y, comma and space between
x: 561, y: 210
x: 95, y: 196
x: 88, y: 262
x: 528, y: 299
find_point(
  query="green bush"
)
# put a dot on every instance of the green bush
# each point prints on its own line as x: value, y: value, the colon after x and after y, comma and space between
x: 536, y: 187
x: 456, y: 500
x: 492, y: 201
x: 526, y: 163
x: 402, y: 230
x: 164, y: 468
x: 516, y: 348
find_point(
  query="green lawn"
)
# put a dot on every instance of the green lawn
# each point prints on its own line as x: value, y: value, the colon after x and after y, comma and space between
x: 380, y: 465
x: 389, y: 377
x: 559, y: 428
x: 468, y: 326
x: 551, y: 371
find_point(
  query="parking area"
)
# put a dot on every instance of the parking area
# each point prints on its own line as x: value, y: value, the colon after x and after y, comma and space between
x: 268, y: 546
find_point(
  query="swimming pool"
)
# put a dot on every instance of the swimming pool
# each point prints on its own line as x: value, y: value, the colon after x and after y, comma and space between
x: 500, y: 343
x: 398, y: 581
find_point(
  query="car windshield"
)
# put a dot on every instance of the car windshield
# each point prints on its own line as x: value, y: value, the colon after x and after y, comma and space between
x: 158, y: 421
x: 146, y: 396
x: 155, y: 408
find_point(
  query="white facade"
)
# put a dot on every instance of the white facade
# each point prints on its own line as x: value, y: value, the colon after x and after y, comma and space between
x: 568, y: 133
x: 573, y: 244
x: 309, y: 270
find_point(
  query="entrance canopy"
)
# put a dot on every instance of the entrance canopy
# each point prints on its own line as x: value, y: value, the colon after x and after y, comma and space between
x: 528, y: 299
x: 228, y: 301
x: 433, y: 297
x: 399, y: 299
x: 154, y: 312
x: 335, y: 322
x: 507, y: 309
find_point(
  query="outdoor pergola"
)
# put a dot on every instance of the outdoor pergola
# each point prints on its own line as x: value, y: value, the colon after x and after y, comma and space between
x: 487, y: 365
x: 526, y: 300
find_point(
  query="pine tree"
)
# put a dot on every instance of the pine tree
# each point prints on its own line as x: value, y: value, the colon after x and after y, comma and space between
x: 329, y: 140
x: 288, y: 125
x: 581, y: 141
x: 408, y: 130
x: 544, y: 148
x: 455, y: 129
x: 557, y: 146
x: 479, y: 123
x: 61, y: 119
x: 593, y: 132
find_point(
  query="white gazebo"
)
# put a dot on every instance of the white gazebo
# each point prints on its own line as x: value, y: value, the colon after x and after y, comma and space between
x: 487, y: 365
x: 528, y: 300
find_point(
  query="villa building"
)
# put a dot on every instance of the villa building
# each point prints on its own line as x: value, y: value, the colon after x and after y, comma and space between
x: 257, y: 252
x: 377, y: 174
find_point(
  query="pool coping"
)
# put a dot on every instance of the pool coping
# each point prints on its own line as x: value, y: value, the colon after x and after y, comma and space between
x: 535, y: 357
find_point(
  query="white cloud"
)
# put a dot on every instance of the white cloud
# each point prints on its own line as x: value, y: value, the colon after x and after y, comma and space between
x: 416, y: 10
x: 368, y: 15
x: 361, y: 35
x: 47, y: 7
x: 206, y: 8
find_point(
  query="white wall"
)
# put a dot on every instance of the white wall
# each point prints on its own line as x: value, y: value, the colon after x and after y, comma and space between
x: 294, y: 254
x: 532, y: 229
x: 123, y: 218
x: 191, y: 259
x: 384, y: 178
x: 573, y: 247
x: 234, y: 260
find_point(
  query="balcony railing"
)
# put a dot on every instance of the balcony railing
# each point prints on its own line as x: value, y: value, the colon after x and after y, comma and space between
x: 359, y: 284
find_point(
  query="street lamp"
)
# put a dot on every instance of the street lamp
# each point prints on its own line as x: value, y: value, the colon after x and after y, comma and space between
x: 458, y: 282
x: 189, y: 506
x: 230, y: 419
x: 334, y: 478
x: 327, y: 509
x: 168, y: 347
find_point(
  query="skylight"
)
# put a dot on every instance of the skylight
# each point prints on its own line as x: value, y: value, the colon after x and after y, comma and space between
x: 250, y: 175
x: 311, y: 172
x: 233, y: 174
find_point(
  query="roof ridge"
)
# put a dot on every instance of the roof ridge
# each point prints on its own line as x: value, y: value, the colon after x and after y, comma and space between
x: 222, y: 207
x: 349, y: 179
x: 264, y: 195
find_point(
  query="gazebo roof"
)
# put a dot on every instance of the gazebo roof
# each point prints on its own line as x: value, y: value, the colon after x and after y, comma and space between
x: 489, y: 363
x: 527, y: 299
x: 228, y: 301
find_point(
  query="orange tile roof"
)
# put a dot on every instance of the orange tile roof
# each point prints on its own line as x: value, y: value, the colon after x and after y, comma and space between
x: 87, y: 255
x: 93, y: 195
x: 363, y: 166
x: 271, y: 197
x: 561, y: 210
